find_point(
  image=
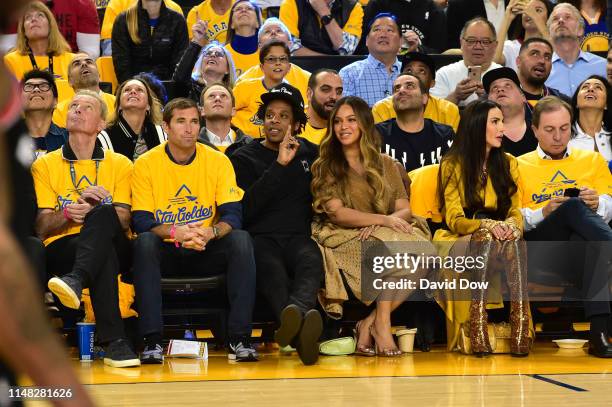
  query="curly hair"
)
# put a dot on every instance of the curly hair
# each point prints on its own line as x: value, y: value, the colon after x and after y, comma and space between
x: 330, y: 170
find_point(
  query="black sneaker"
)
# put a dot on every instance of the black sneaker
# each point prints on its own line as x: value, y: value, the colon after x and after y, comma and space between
x: 152, y: 355
x: 242, y: 351
x: 290, y: 324
x: 68, y: 289
x: 308, y: 339
x: 119, y: 354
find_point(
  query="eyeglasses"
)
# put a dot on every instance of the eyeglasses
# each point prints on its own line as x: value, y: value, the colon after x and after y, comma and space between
x: 214, y: 54
x: 276, y: 60
x: 485, y: 42
x: 35, y: 16
x: 43, y: 87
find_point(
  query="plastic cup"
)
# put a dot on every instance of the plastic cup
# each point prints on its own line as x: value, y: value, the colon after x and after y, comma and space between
x: 86, y: 331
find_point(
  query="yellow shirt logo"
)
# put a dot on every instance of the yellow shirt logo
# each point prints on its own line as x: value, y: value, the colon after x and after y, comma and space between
x: 183, y: 208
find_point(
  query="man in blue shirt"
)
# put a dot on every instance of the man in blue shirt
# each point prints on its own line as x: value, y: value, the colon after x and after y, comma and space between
x: 39, y: 96
x: 570, y: 65
x: 372, y: 78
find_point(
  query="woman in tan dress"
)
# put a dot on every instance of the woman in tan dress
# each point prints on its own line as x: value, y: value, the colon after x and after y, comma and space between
x: 359, y: 196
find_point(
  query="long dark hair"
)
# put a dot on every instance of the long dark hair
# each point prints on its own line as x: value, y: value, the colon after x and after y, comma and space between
x: 468, y: 152
x: 607, y: 119
x: 516, y: 31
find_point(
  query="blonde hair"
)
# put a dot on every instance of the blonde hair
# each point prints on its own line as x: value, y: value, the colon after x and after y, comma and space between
x: 155, y: 106
x: 131, y: 19
x: 57, y: 44
x: 92, y: 94
x: 330, y: 170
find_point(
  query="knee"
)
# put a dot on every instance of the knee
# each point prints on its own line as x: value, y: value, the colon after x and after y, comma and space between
x: 240, y: 242
x: 104, y: 213
x: 572, y: 207
x: 147, y: 244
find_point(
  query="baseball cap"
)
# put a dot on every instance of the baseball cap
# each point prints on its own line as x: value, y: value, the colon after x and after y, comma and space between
x: 285, y: 92
x: 499, y: 73
x: 419, y: 56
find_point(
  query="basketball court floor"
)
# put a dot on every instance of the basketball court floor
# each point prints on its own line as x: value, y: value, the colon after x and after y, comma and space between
x: 549, y: 376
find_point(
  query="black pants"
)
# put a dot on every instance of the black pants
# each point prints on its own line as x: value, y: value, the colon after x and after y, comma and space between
x: 289, y: 271
x: 93, y: 255
x: 586, y: 256
x: 232, y: 254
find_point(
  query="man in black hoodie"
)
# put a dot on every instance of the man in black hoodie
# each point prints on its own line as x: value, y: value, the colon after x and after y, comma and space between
x: 277, y: 205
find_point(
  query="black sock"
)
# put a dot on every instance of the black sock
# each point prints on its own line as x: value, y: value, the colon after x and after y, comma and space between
x: 599, y: 324
x: 153, y: 339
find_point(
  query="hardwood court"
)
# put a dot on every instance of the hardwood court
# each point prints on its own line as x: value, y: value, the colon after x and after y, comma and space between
x: 548, y: 376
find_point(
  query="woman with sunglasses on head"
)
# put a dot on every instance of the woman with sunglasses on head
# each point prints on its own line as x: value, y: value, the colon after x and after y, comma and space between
x: 40, y: 45
x: 204, y: 63
x: 245, y: 20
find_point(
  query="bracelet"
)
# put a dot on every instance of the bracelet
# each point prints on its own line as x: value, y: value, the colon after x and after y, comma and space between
x: 215, y: 232
x: 66, y: 215
x: 173, y: 236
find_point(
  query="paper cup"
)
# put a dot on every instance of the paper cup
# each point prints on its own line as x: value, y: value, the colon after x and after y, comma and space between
x: 405, y: 339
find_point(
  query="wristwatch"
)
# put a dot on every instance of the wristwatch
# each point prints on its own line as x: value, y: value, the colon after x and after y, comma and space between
x: 327, y: 19
x: 215, y: 232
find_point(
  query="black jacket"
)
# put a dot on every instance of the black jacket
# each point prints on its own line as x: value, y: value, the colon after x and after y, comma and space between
x: 121, y: 139
x: 460, y: 12
x: 241, y: 140
x: 277, y: 199
x: 314, y: 36
x: 157, y: 53
x: 183, y: 70
x: 423, y: 17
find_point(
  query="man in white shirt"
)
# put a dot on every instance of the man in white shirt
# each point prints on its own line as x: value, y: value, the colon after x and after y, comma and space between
x: 217, y: 109
x: 566, y: 204
x: 478, y: 41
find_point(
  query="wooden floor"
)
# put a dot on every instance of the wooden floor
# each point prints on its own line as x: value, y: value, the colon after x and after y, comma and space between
x: 548, y: 376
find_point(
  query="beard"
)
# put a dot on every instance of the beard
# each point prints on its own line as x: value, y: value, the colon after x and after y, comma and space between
x: 320, y: 109
x: 535, y: 82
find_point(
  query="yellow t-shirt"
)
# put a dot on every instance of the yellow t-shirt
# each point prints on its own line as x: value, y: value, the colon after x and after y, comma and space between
x: 242, y: 62
x: 288, y: 14
x: 296, y: 77
x: 541, y: 180
x: 116, y: 7
x: 248, y: 98
x: 313, y: 135
x: 19, y: 64
x: 180, y: 194
x: 55, y: 189
x: 217, y: 24
x: 438, y: 110
x: 60, y: 114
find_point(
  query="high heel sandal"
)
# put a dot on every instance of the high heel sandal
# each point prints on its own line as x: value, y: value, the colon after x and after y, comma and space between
x: 360, y: 349
x: 386, y: 352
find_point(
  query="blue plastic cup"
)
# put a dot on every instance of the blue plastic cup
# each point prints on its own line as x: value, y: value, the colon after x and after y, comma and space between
x: 86, y: 331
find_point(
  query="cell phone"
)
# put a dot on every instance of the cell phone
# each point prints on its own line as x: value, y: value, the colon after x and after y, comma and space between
x: 571, y: 192
x: 475, y: 73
